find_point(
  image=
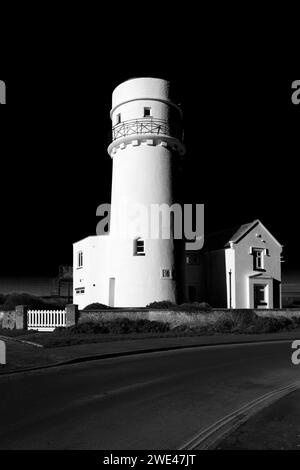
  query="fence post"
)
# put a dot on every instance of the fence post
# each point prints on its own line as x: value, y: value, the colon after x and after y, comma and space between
x: 21, y: 317
x: 2, y: 352
x: 71, y: 314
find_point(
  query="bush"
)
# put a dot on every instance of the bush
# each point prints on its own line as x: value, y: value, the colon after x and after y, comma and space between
x: 192, y: 329
x: 296, y: 321
x: 161, y: 305
x: 84, y: 328
x: 241, y: 322
x: 12, y: 300
x: 96, y: 306
x: 117, y: 326
x: 272, y: 324
x: 194, y: 306
x: 243, y: 318
x: 223, y: 324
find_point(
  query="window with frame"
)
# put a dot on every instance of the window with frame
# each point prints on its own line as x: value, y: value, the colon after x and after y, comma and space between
x: 166, y: 273
x: 79, y: 259
x: 147, y: 112
x: 118, y: 119
x: 258, y: 256
x: 139, y: 249
x: 80, y: 290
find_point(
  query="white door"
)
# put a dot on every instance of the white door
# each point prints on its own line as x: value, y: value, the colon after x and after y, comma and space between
x: 111, y: 300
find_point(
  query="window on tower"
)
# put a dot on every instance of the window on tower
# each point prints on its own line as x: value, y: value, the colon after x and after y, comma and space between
x: 118, y: 118
x: 147, y: 112
x: 166, y: 273
x: 139, y: 247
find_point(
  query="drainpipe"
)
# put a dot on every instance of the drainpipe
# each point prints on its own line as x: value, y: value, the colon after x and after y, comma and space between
x: 230, y: 296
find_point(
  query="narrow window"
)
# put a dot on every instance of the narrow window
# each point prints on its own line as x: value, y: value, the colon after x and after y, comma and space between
x: 139, y: 247
x: 118, y: 118
x: 80, y: 259
x: 258, y: 259
x: 147, y: 112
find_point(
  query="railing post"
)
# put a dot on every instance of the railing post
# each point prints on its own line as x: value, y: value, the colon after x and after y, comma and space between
x: 71, y: 314
x: 21, y: 317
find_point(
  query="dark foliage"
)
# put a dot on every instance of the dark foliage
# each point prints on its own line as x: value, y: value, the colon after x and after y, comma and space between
x: 116, y: 326
x: 96, y: 306
x: 12, y: 300
x: 164, y: 304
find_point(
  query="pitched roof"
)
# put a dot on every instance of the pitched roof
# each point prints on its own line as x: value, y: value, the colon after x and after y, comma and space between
x: 222, y: 239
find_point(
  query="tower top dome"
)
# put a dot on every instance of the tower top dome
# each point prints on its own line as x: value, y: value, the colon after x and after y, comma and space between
x: 143, y: 88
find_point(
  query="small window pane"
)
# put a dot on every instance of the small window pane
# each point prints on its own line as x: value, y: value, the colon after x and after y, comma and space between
x: 139, y: 247
x: 147, y: 112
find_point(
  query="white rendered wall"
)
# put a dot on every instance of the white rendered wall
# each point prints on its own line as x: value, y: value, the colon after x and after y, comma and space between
x: 142, y: 173
x: 244, y: 264
x: 130, y: 97
x: 230, y: 279
x: 93, y: 275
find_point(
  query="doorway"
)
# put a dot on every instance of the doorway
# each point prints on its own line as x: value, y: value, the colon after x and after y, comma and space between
x: 111, y: 299
x: 260, y: 300
x: 192, y: 294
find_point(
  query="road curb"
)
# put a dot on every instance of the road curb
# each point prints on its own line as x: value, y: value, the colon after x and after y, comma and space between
x: 96, y: 357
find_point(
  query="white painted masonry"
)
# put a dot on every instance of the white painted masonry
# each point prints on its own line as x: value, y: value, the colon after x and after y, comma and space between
x: 144, y: 151
x: 237, y: 257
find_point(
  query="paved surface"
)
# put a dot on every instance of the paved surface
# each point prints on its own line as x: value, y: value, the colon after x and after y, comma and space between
x: 22, y: 356
x: 275, y: 428
x: 148, y: 401
x: 65, y: 353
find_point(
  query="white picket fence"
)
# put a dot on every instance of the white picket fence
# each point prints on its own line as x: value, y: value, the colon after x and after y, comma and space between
x: 45, y: 320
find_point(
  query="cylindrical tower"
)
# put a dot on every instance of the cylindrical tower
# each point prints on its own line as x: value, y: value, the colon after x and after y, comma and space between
x: 146, y: 144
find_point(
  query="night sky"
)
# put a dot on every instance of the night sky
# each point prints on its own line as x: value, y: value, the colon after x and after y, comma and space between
x: 241, y: 133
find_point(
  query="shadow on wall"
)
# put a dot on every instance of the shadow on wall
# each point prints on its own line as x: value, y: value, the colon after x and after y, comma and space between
x: 216, y: 278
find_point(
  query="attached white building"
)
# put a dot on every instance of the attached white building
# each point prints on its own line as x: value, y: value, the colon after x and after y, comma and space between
x: 238, y: 268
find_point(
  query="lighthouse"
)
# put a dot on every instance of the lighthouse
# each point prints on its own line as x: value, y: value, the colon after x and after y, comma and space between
x: 132, y: 268
x: 145, y: 150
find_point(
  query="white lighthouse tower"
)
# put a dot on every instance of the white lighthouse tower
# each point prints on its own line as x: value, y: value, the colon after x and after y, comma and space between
x: 131, y: 268
x: 146, y: 144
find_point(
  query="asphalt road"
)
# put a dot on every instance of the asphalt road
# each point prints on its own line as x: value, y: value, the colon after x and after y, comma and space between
x: 148, y: 401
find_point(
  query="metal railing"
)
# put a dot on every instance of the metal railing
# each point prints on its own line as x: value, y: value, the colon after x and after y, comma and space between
x: 145, y: 126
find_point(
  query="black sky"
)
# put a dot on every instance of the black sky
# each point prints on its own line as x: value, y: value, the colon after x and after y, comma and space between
x: 241, y: 134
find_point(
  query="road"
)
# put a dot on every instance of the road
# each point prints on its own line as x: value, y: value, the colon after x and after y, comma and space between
x: 148, y: 401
